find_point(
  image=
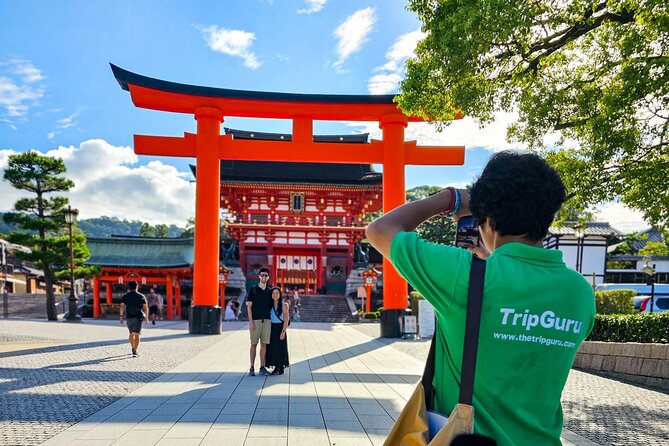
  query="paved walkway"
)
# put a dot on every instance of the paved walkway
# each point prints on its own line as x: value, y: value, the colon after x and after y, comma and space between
x: 344, y: 387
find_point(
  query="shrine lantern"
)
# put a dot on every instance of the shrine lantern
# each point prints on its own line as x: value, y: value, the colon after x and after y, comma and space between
x: 370, y: 277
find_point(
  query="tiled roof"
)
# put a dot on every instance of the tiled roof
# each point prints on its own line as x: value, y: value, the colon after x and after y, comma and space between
x: 653, y: 236
x: 592, y: 228
x: 141, y: 252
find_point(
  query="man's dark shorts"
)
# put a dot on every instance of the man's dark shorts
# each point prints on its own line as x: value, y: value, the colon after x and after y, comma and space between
x: 134, y: 325
x: 153, y: 309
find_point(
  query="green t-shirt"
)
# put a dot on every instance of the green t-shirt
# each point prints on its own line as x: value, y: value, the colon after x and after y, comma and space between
x: 536, y: 312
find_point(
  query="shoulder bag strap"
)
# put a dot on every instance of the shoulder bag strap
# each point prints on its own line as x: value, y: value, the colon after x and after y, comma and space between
x: 474, y: 305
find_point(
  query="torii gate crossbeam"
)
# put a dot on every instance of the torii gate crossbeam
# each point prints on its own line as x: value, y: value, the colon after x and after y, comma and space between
x: 209, y: 106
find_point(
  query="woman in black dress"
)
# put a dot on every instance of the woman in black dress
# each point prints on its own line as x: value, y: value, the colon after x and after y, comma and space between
x: 277, y: 351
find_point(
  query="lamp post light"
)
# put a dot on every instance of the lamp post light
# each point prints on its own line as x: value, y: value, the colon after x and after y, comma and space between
x: 579, y: 233
x: 70, y: 219
x: 649, y: 270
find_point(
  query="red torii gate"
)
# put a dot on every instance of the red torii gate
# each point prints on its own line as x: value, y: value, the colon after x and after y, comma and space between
x: 209, y: 107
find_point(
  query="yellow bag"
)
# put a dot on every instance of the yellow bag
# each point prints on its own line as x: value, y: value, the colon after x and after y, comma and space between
x: 412, y: 427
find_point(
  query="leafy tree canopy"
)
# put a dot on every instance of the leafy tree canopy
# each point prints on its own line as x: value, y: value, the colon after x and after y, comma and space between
x: 438, y: 229
x: 593, y: 72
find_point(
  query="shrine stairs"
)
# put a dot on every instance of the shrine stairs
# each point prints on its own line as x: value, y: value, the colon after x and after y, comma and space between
x: 319, y: 308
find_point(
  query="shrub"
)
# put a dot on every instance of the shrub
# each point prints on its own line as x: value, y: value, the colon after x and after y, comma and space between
x: 615, y: 301
x: 414, y: 297
x: 641, y: 327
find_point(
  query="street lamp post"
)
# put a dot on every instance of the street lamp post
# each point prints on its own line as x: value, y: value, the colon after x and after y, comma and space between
x: 579, y: 233
x: 649, y: 270
x: 72, y: 315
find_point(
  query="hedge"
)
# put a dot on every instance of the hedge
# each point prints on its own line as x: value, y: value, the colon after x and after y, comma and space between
x: 640, y: 327
x: 615, y: 301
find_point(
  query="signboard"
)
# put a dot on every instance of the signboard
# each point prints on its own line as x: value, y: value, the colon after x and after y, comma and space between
x: 409, y: 325
x: 425, y: 319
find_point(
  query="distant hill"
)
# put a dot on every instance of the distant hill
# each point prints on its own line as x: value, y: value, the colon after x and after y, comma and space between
x: 104, y: 227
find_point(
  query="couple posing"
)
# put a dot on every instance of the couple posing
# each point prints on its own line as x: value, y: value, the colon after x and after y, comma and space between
x: 268, y: 322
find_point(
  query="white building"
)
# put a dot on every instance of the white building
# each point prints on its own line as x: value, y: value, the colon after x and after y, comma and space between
x: 584, y: 250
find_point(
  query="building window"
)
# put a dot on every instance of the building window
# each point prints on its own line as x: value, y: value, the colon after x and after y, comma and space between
x: 296, y: 202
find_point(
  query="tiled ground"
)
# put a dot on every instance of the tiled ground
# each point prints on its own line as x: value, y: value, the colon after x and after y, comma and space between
x: 344, y: 387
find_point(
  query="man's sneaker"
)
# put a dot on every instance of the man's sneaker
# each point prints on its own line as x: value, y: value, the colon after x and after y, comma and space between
x: 252, y: 372
x: 264, y: 371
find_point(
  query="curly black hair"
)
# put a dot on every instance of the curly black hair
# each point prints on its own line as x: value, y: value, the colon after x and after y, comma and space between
x: 520, y: 192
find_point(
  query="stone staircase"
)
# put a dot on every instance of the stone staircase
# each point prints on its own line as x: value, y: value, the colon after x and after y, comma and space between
x: 319, y: 308
x: 236, y: 281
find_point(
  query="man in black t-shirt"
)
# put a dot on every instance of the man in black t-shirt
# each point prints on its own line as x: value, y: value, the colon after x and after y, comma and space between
x: 259, y: 304
x: 135, y: 308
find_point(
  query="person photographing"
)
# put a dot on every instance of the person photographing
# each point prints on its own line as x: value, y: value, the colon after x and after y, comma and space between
x: 536, y: 311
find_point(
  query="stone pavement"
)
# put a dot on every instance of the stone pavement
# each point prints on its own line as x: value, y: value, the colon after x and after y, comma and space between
x: 344, y: 387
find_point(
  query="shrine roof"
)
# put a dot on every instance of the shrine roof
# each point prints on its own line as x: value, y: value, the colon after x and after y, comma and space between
x: 291, y: 172
x: 126, y: 78
x: 146, y: 252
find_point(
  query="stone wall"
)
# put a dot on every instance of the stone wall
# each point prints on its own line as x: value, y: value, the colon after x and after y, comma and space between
x: 646, y: 364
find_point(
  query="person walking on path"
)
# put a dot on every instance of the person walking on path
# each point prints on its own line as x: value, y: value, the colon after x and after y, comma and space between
x: 134, y: 308
x: 536, y: 311
x: 259, y: 304
x: 155, y: 302
x: 277, y: 351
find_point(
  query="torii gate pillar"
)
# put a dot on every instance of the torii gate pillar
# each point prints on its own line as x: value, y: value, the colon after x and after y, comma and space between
x: 205, y: 313
x: 394, y: 195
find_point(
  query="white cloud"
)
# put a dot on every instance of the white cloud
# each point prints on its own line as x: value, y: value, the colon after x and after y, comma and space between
x: 352, y: 33
x: 621, y: 217
x: 25, y: 70
x: 463, y: 132
x: 392, y: 72
x: 16, y: 98
x: 313, y: 6
x: 232, y: 42
x: 51, y: 135
x: 109, y: 181
x: 9, y: 123
x: 69, y: 121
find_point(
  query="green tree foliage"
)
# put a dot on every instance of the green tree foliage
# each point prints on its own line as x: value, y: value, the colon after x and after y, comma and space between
x: 159, y: 230
x: 594, y: 72
x: 189, y: 230
x: 627, y: 247
x: 438, y: 229
x: 107, y: 226
x: 40, y: 218
x: 654, y: 249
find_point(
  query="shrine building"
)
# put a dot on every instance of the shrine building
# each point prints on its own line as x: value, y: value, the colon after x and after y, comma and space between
x: 300, y: 220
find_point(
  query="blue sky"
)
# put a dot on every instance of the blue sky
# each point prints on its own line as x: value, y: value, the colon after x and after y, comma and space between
x: 58, y: 95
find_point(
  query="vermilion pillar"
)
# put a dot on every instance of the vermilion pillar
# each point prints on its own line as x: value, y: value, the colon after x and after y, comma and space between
x: 170, y: 298
x: 392, y: 126
x: 178, y: 298
x: 205, y: 312
x: 96, y: 298
x: 109, y: 292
